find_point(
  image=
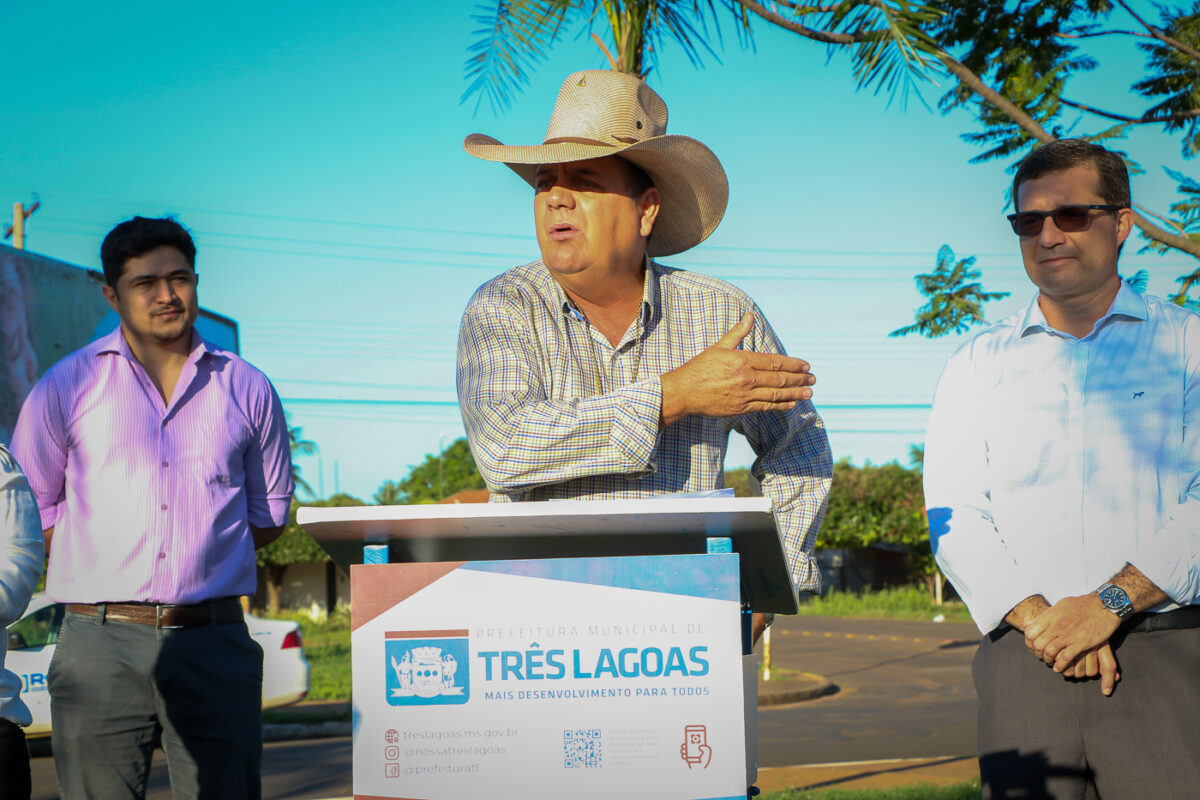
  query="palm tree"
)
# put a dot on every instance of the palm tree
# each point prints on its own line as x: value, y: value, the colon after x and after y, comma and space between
x: 390, y: 493
x: 515, y: 35
x: 890, y: 49
x: 302, y: 447
x: 954, y: 304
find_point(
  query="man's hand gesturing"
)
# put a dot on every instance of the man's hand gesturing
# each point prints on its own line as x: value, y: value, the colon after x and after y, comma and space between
x: 724, y: 382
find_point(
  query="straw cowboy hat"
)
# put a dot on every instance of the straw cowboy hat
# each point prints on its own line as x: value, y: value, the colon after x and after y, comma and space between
x: 605, y: 113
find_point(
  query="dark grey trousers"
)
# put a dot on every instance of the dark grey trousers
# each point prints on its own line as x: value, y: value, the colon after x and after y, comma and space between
x: 1043, y: 736
x: 117, y: 688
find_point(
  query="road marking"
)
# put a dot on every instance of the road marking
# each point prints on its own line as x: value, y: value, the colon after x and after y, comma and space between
x: 873, y: 637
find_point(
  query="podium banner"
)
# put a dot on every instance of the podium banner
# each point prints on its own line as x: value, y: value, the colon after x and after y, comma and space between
x: 580, y: 677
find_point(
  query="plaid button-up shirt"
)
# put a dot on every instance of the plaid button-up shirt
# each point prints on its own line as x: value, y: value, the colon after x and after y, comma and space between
x: 552, y: 410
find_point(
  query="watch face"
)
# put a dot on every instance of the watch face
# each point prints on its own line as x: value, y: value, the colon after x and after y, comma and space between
x: 1114, y: 597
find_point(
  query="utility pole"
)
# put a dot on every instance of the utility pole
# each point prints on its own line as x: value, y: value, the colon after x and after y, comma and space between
x: 17, y: 229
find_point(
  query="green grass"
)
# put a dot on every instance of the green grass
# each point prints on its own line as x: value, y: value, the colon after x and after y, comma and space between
x: 905, y: 602
x: 327, y: 650
x: 290, y: 716
x: 958, y: 791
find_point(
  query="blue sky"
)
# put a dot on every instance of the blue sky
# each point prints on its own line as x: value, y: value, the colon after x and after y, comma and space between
x: 315, y: 152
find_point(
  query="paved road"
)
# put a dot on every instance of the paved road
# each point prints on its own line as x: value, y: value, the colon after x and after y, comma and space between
x: 302, y: 770
x: 904, y: 691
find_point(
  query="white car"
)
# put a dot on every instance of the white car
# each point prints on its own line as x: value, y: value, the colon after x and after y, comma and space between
x: 31, y: 642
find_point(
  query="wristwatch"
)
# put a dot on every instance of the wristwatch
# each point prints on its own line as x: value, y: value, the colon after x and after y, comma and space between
x: 1116, y: 601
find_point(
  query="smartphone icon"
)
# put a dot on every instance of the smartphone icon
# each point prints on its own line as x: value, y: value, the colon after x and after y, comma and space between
x: 695, y: 749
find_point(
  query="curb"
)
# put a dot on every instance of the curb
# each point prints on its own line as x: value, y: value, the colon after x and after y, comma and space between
x: 286, y: 731
x: 808, y: 687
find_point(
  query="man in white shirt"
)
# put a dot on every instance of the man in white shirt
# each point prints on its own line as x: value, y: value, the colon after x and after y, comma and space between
x: 1062, y: 482
x: 20, y: 565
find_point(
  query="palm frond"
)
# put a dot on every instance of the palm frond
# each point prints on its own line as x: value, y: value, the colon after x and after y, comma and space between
x: 954, y: 305
x: 513, y: 38
x: 1139, y: 281
x: 1188, y: 209
x: 895, y: 53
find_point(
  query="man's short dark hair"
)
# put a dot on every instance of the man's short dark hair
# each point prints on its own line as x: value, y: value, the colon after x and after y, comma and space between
x: 138, y: 236
x: 1064, y: 154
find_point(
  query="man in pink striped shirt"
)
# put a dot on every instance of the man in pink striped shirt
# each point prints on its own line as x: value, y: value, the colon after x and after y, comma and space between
x: 159, y: 463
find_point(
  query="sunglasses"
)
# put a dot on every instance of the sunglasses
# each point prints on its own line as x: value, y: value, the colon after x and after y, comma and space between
x: 1068, y: 219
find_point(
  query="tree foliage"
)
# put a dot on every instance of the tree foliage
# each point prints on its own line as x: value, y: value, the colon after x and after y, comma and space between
x: 294, y: 546
x: 878, y: 505
x: 515, y: 35
x: 438, y: 476
x: 954, y: 304
x: 742, y: 483
x: 1186, y: 213
x: 389, y: 494
x: 1013, y: 65
x: 299, y: 446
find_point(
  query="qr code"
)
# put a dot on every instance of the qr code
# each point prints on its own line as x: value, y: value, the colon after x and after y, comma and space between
x: 581, y: 748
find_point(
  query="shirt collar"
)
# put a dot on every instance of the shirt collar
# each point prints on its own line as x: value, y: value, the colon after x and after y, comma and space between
x: 1129, y: 304
x: 115, y: 343
x: 649, y: 294
x: 651, y: 309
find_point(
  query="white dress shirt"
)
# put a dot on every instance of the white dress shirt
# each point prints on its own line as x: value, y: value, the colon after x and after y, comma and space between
x: 20, y: 565
x: 1051, y: 461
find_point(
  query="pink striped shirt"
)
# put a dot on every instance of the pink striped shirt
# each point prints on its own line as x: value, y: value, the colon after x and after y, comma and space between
x: 149, y: 501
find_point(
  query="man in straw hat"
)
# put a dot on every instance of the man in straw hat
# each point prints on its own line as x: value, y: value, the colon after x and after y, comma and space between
x: 598, y: 373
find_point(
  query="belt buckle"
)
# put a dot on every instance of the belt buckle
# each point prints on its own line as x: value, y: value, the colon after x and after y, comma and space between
x: 158, y: 623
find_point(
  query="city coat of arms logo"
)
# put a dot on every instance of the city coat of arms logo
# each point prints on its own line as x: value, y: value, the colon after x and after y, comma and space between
x: 427, y: 667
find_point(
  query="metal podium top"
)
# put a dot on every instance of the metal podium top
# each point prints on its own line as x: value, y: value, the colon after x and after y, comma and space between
x: 566, y: 529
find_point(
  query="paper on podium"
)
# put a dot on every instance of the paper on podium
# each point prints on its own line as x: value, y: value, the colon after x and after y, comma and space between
x: 566, y: 529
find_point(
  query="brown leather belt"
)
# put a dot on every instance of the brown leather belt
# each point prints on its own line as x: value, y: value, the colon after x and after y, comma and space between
x: 214, y: 612
x: 1186, y: 617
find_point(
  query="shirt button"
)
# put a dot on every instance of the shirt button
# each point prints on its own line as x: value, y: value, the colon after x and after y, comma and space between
x: 164, y: 506
x: 162, y: 555
x: 165, y: 464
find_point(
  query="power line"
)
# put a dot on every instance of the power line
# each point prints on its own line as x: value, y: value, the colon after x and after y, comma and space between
x: 526, y: 237
x: 725, y: 270
x: 397, y: 402
x: 360, y: 384
x: 501, y: 261
x: 176, y: 209
x: 197, y: 233
x: 368, y: 402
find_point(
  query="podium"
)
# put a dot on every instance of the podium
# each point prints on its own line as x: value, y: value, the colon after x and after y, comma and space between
x: 574, y: 648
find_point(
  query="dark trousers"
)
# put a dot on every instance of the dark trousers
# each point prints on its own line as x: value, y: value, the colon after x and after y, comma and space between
x: 14, y: 763
x: 1044, y: 736
x: 117, y: 688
